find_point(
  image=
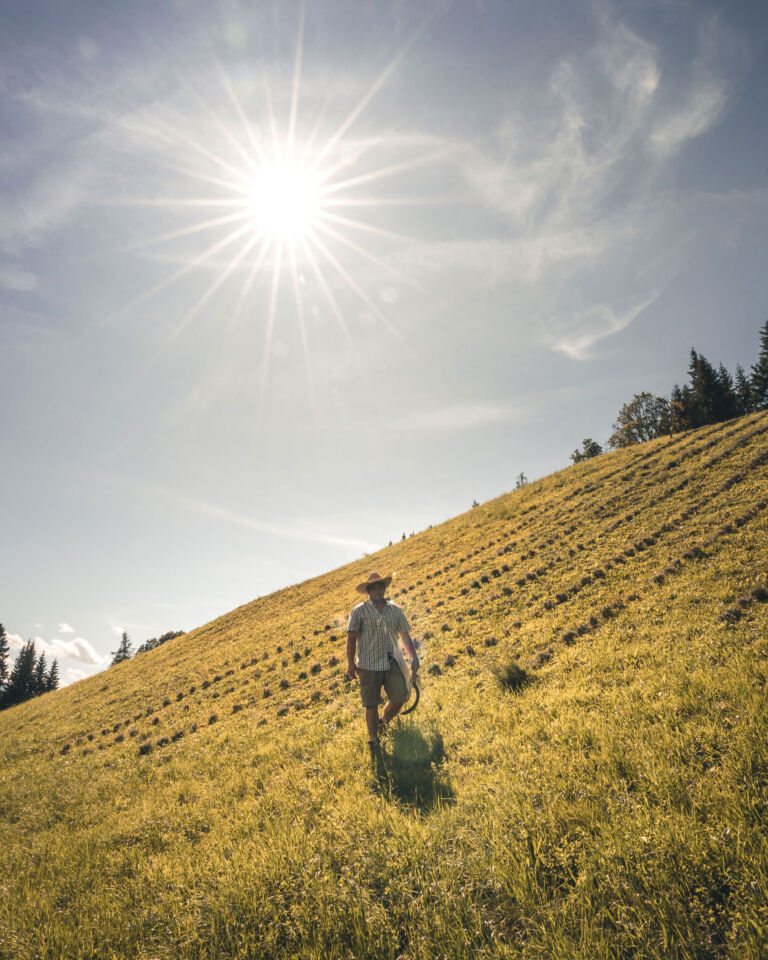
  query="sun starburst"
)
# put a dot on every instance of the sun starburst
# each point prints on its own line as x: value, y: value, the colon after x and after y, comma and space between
x: 280, y: 199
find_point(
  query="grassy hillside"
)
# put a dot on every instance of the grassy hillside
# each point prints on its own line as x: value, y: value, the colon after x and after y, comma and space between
x: 215, y: 798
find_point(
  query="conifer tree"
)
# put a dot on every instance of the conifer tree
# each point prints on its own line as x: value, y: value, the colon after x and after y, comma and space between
x: 703, y: 387
x: 52, y: 680
x: 40, y: 674
x: 742, y: 389
x: 4, y: 649
x: 22, y: 679
x: 725, y: 405
x: 678, y: 415
x: 759, y: 380
x: 123, y: 652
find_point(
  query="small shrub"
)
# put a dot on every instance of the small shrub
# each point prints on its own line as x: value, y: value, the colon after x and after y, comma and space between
x: 510, y: 674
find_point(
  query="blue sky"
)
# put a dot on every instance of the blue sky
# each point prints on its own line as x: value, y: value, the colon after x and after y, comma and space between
x: 531, y: 212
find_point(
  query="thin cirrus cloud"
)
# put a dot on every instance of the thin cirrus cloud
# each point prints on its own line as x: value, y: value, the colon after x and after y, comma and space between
x: 595, y: 324
x: 582, y: 191
x: 451, y: 418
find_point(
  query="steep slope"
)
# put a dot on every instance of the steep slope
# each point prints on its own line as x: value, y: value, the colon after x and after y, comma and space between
x: 214, y: 797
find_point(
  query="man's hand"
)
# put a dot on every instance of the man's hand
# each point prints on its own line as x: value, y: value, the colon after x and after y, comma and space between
x: 352, y: 670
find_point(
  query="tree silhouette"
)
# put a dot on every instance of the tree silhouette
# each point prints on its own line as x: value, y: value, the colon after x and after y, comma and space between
x: 643, y: 418
x: 123, y: 652
x: 589, y: 448
x: 4, y: 650
x: 40, y: 674
x: 759, y: 381
x: 21, y: 683
x: 742, y: 389
x: 52, y: 680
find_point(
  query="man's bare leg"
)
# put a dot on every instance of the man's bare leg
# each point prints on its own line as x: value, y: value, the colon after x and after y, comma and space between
x: 372, y: 722
x: 391, y: 710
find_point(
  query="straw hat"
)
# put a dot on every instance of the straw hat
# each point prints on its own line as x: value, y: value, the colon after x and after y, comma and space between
x: 374, y: 578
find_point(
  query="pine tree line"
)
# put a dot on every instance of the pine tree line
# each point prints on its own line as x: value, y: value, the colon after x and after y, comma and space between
x: 29, y: 677
x: 711, y: 395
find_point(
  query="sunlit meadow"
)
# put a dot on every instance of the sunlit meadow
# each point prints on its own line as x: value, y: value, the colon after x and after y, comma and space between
x: 585, y: 775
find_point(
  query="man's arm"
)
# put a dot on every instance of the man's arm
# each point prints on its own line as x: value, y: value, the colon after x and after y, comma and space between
x: 410, y: 649
x: 352, y: 636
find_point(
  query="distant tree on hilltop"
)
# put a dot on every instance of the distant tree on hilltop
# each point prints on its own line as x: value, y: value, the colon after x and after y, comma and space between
x: 123, y: 652
x: 759, y: 380
x: 520, y: 480
x: 4, y: 650
x: 643, y: 418
x: 52, y: 680
x: 589, y: 448
x: 158, y: 641
x: 742, y: 389
x: 40, y: 675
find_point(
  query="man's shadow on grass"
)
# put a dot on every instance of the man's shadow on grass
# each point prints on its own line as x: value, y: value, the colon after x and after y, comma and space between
x: 408, y: 766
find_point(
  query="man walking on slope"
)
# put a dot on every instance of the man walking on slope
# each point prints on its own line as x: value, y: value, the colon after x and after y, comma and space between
x: 373, y: 629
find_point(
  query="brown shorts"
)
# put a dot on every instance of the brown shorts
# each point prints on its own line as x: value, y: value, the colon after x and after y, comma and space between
x: 371, y: 682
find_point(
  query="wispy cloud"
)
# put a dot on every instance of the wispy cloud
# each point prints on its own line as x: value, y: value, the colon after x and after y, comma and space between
x: 43, y: 206
x: 65, y: 628
x: 697, y: 115
x: 594, y: 324
x: 451, y: 418
x: 301, y: 530
x: 14, y: 278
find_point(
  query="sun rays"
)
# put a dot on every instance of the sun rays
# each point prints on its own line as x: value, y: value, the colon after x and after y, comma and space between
x: 281, y: 208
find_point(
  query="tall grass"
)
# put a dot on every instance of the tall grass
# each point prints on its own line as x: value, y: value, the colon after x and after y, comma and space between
x: 612, y: 805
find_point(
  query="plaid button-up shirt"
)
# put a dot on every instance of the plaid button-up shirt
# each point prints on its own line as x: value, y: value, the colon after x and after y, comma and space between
x: 377, y: 632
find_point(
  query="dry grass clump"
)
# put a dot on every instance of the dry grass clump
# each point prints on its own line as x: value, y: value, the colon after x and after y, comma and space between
x: 509, y: 674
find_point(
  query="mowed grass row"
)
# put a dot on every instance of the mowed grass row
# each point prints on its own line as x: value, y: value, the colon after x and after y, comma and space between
x: 612, y: 805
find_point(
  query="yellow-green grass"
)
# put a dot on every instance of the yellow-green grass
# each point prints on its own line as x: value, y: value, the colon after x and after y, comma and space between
x: 610, y: 802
